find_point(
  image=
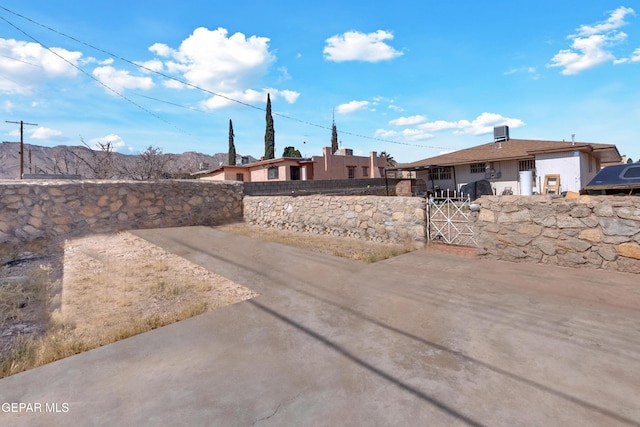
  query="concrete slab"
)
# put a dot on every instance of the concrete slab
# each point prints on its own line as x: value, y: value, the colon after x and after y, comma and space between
x: 426, y: 338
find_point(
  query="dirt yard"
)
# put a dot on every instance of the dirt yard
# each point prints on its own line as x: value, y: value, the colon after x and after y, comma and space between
x: 99, y: 289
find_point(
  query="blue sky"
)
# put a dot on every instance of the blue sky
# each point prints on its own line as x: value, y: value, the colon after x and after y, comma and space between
x: 415, y: 79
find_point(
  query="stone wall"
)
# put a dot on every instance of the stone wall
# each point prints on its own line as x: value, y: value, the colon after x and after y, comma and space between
x: 587, y: 231
x: 33, y: 210
x: 381, y: 219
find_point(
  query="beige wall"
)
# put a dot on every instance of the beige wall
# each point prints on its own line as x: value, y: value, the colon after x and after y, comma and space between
x: 260, y: 173
x: 227, y: 174
x: 335, y: 166
x: 328, y: 166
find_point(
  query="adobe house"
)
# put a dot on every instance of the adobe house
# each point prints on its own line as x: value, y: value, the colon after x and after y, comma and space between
x: 513, y: 166
x: 340, y: 165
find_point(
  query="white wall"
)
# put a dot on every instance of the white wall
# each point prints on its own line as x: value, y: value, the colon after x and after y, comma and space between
x: 508, y: 171
x: 567, y: 165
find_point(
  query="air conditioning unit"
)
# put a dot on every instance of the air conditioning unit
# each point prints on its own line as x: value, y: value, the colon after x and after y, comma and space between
x: 501, y: 133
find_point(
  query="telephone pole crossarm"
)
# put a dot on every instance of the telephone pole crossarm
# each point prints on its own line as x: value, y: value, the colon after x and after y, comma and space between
x: 22, y: 123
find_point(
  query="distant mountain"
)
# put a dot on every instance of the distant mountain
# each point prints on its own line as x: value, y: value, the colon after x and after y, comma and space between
x: 80, y: 160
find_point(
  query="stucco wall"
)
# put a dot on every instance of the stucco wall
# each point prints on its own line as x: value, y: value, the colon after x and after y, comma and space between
x: 589, y: 231
x: 382, y: 219
x: 334, y: 166
x: 33, y: 210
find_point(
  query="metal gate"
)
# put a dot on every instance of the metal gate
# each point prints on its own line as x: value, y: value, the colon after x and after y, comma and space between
x: 449, y: 219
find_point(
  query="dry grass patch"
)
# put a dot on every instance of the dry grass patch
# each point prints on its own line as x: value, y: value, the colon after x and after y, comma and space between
x: 113, y: 287
x: 345, y: 247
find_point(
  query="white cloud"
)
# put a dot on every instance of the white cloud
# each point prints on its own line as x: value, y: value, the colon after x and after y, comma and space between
x: 116, y: 142
x: 152, y: 65
x: 408, y: 121
x: 249, y: 96
x: 356, y: 46
x: 215, y: 61
x: 288, y: 95
x: 591, y: 52
x: 226, y: 65
x: 24, y: 65
x: 615, y: 21
x: 284, y: 74
x: 635, y: 56
x: 119, y: 80
x: 439, y: 125
x: 43, y: 133
x: 483, y: 124
x: 351, y: 107
x: 161, y: 49
x: 531, y: 71
x: 416, y: 135
x: 591, y: 45
x: 385, y: 134
x: 7, y: 106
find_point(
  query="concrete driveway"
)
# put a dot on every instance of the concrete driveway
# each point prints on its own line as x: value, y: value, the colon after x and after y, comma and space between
x: 426, y: 338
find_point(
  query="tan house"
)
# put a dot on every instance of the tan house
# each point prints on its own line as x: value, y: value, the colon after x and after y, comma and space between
x: 513, y: 166
x: 340, y: 165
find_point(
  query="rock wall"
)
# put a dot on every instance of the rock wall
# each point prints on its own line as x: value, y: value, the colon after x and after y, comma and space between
x: 33, y: 210
x: 381, y: 219
x: 587, y: 231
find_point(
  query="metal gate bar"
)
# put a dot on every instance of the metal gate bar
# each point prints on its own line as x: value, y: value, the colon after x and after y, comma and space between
x: 450, y: 219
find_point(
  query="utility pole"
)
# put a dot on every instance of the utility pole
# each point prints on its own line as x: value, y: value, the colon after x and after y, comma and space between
x: 21, y: 123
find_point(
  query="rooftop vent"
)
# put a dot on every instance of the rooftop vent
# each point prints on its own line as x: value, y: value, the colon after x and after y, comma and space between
x: 500, y: 133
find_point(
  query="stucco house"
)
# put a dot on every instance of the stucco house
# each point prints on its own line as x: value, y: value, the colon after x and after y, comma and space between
x: 513, y: 166
x: 339, y: 165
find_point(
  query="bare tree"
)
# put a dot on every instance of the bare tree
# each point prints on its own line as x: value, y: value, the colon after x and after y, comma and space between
x: 150, y: 164
x: 64, y: 161
x: 98, y: 162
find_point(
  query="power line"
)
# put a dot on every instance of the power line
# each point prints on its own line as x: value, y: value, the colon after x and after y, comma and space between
x: 110, y: 89
x: 191, y: 85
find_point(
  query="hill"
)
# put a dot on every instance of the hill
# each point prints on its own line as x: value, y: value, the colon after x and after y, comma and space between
x: 80, y: 160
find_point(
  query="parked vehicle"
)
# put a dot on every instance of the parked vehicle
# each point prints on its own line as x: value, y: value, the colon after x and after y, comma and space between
x: 617, y: 179
x: 477, y: 189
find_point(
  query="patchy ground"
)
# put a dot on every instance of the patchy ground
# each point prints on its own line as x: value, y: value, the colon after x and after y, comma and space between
x: 360, y: 250
x: 97, y: 289
x: 109, y: 280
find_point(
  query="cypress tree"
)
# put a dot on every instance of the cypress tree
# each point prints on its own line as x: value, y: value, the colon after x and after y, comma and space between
x: 232, y: 147
x: 334, y: 138
x: 269, y: 135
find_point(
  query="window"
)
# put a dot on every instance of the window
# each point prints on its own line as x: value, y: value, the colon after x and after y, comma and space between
x: 365, y: 171
x: 632, y: 172
x: 351, y: 172
x: 239, y: 177
x: 441, y: 173
x: 294, y: 172
x: 381, y: 170
x: 526, y: 165
x: 272, y: 172
x: 477, y: 167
